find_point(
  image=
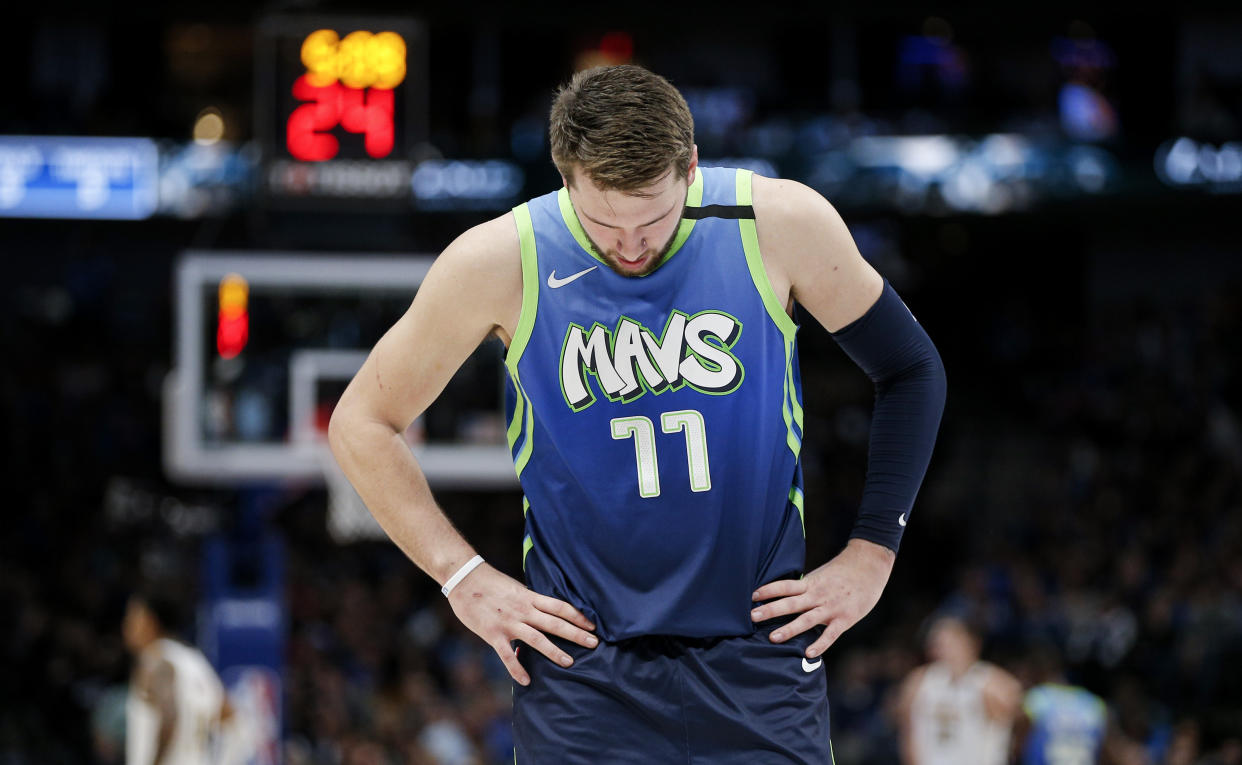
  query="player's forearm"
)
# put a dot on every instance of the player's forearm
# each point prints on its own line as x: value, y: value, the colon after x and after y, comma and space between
x: 388, y: 478
x: 904, y: 423
x: 896, y: 353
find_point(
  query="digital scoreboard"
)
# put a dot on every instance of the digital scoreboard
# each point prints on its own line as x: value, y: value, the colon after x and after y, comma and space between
x: 340, y: 105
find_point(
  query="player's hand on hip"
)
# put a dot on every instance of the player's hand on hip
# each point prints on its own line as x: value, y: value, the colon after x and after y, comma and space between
x: 499, y: 609
x: 837, y: 594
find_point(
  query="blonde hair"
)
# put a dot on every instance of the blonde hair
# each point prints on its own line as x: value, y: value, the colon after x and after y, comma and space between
x: 623, y: 126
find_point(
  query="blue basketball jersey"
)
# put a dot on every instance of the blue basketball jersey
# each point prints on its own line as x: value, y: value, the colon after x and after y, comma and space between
x: 655, y: 422
x: 1067, y: 725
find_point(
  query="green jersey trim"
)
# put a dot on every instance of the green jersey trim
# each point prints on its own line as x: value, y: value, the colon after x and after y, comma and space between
x: 528, y: 427
x: 799, y: 501
x: 523, y: 422
x: 694, y: 198
x: 754, y: 261
x: 791, y: 408
x: 521, y: 426
x: 791, y: 388
x: 530, y: 287
x: 515, y: 425
x: 791, y: 414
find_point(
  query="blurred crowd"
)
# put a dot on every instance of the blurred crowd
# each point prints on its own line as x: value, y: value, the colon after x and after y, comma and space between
x: 1095, y: 508
x: 1107, y: 525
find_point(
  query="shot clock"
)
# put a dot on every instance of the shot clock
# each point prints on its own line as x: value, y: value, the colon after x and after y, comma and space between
x: 340, y: 105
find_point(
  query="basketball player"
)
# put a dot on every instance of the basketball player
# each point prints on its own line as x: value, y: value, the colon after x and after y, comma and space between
x: 176, y: 701
x: 1064, y: 724
x: 957, y: 710
x: 655, y: 421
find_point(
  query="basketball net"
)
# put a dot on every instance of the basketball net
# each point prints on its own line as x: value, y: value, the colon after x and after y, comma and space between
x: 349, y: 520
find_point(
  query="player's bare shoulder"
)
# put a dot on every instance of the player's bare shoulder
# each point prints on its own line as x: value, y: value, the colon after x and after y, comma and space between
x: 781, y: 210
x: 784, y: 199
x: 484, y: 266
x: 791, y: 218
x: 809, y: 254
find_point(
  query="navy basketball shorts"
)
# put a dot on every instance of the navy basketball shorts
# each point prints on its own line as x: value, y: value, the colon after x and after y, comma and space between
x: 660, y: 699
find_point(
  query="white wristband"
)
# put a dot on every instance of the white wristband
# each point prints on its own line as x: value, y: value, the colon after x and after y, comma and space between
x: 455, y: 579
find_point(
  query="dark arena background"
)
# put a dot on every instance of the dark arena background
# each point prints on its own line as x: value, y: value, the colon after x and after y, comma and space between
x: 203, y: 233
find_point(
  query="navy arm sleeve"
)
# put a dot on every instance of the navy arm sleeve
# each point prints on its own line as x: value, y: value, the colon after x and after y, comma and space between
x: 891, y: 347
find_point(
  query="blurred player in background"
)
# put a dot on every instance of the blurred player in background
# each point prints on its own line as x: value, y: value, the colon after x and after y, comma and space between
x: 656, y: 427
x: 176, y: 701
x: 1063, y: 724
x: 957, y: 710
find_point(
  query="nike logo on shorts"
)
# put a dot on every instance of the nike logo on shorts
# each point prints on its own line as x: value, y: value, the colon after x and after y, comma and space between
x: 808, y: 666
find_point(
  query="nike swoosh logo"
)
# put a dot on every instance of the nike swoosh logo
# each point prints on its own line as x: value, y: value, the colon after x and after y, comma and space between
x: 809, y: 667
x: 553, y: 282
x: 902, y: 519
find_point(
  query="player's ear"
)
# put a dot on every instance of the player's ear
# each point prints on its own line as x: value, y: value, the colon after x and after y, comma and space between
x: 694, y: 163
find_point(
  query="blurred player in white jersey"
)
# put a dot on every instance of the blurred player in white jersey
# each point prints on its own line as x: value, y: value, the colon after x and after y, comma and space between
x: 176, y: 701
x: 957, y: 710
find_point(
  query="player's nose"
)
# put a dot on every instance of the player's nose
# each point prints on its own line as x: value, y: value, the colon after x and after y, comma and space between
x: 631, y: 244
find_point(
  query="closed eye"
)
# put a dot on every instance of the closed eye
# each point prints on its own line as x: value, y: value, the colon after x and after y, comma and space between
x: 649, y: 223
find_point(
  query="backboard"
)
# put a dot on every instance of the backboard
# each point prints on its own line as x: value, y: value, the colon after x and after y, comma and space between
x: 265, y: 343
